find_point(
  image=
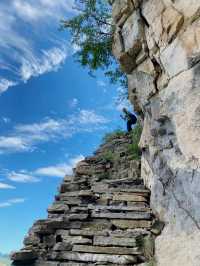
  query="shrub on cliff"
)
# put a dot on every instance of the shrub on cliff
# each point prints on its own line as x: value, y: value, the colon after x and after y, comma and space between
x: 133, y: 148
x: 92, y: 33
x: 113, y: 135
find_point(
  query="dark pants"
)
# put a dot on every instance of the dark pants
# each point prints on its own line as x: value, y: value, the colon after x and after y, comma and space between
x: 130, y: 123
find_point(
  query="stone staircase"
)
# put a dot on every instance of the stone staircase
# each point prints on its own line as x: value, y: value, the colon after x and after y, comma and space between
x: 96, y: 219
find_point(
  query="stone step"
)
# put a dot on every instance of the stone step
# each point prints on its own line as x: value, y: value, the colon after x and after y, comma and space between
x: 125, y: 181
x: 131, y: 224
x: 88, y: 232
x: 114, y: 241
x: 106, y: 250
x: 58, y: 208
x: 122, y: 208
x: 76, y: 240
x: 102, y: 187
x: 128, y: 197
x: 90, y: 257
x: 117, y: 215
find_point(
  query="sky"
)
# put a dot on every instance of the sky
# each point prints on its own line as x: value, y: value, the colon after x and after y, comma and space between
x: 52, y: 113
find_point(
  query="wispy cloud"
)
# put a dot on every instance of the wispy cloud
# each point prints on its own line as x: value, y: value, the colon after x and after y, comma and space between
x: 11, y: 202
x: 23, y: 54
x: 6, y: 186
x: 5, y: 84
x: 6, y: 120
x: 61, y: 169
x: 25, y: 137
x: 22, y: 177
x: 51, y: 60
x: 73, y: 103
x: 58, y: 170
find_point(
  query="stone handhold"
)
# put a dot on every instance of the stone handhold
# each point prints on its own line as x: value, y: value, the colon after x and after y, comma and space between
x: 157, y: 227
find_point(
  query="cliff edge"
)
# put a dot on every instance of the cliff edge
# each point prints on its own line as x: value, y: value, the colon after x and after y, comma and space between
x: 157, y: 43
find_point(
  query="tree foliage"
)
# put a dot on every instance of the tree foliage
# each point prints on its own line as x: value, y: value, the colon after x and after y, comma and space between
x: 92, y: 34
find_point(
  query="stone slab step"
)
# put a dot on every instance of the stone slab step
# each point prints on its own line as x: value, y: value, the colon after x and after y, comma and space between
x: 117, y: 215
x: 114, y: 241
x: 106, y: 250
x: 101, y: 188
x: 58, y: 208
x: 88, y: 232
x: 122, y: 208
x: 124, y: 181
x: 90, y: 257
x: 128, y: 197
x: 131, y: 224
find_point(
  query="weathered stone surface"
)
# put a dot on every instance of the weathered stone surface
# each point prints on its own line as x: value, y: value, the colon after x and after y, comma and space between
x: 114, y: 241
x: 133, y: 38
x: 24, y: 255
x: 120, y: 8
x: 106, y: 250
x: 112, y: 215
x: 88, y: 232
x: 167, y: 97
x: 58, y: 208
x: 89, y: 257
x: 46, y: 263
x: 124, y: 224
x: 129, y: 197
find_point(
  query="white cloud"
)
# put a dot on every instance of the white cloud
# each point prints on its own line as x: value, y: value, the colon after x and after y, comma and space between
x: 11, y: 202
x: 6, y: 186
x: 6, y: 120
x: 14, y: 143
x: 26, y: 137
x: 73, y: 103
x: 50, y: 61
x: 22, y: 177
x: 5, y: 84
x: 101, y: 83
x: 59, y: 170
x: 90, y: 117
x: 23, y: 52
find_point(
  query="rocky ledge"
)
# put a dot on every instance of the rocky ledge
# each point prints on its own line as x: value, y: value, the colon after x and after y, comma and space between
x: 101, y: 215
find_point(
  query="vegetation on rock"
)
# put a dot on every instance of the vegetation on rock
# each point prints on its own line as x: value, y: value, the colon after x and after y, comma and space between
x: 92, y: 33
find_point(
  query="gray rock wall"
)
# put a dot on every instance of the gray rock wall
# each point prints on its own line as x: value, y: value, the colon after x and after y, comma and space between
x: 157, y: 43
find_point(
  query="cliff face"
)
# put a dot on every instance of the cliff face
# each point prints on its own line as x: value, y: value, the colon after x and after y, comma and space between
x: 101, y: 215
x: 157, y: 43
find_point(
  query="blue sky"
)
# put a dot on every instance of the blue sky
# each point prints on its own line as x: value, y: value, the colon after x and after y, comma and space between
x: 52, y: 113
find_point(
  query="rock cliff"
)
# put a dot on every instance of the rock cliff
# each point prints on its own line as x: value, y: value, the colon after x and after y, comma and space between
x: 157, y: 43
x: 101, y: 215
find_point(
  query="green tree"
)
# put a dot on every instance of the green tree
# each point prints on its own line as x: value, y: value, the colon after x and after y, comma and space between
x: 92, y: 32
